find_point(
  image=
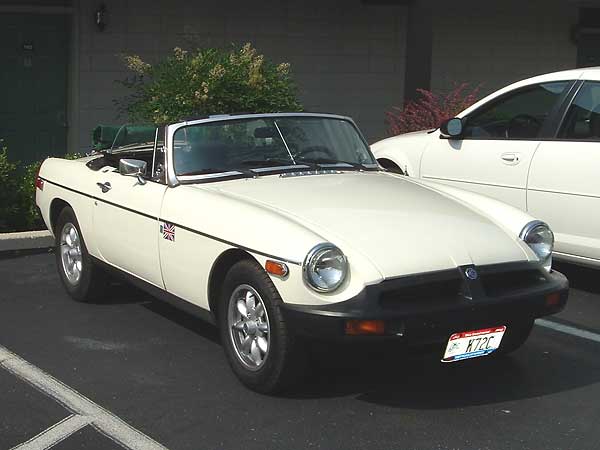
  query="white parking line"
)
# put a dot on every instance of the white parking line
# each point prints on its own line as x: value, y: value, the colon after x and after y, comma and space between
x: 568, y: 330
x: 55, y: 433
x: 101, y: 419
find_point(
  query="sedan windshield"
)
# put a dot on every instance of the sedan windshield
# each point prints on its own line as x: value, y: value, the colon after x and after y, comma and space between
x: 255, y: 144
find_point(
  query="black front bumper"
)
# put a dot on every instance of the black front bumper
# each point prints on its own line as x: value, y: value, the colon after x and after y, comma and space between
x: 430, y: 307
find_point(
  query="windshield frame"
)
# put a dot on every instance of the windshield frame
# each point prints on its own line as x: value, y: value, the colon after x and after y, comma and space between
x: 174, y: 180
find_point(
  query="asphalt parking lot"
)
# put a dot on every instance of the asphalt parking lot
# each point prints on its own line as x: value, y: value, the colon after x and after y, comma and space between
x: 134, y: 368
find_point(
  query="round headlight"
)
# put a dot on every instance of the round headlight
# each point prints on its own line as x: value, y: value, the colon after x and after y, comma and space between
x: 325, y: 268
x: 540, y: 239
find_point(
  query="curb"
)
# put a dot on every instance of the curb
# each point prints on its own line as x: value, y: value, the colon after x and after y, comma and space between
x: 25, y: 241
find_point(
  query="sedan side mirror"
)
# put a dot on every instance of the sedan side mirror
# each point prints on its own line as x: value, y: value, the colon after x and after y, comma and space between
x: 133, y: 168
x: 452, y: 128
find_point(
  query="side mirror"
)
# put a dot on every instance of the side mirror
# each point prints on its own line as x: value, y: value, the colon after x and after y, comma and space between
x: 133, y: 168
x: 452, y: 128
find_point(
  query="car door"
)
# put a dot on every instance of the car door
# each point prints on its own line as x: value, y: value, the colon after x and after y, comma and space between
x: 499, y: 139
x: 126, y: 223
x: 564, y: 181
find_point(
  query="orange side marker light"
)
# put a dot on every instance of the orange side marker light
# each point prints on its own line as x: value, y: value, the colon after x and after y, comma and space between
x: 276, y: 268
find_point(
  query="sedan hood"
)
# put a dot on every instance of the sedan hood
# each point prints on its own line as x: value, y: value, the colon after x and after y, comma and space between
x: 399, y: 225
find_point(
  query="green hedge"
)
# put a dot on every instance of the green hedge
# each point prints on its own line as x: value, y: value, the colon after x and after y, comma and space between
x: 18, y: 211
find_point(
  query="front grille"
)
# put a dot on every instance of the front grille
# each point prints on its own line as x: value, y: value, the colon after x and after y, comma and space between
x: 505, y: 283
x: 424, y: 295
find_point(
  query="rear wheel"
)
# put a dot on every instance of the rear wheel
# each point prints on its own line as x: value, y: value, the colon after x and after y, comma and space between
x: 81, y: 278
x: 261, y: 350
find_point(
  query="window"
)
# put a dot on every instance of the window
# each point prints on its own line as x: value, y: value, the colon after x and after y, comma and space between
x: 242, y: 144
x: 583, y: 118
x: 519, y: 115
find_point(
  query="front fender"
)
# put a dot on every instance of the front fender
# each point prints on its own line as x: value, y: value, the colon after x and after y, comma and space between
x: 406, y: 151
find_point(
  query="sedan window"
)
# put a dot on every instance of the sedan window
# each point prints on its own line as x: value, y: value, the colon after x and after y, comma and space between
x: 583, y: 118
x: 519, y: 115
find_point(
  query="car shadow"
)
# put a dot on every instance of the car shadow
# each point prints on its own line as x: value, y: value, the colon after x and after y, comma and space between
x: 404, y: 379
x: 582, y: 278
x: 195, y: 324
x: 397, y: 377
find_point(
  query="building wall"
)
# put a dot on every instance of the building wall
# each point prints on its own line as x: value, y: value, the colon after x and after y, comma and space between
x: 499, y: 42
x: 347, y: 57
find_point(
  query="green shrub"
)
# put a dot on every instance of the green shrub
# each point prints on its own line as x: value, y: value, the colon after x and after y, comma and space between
x: 204, y: 82
x: 8, y: 192
x: 18, y: 211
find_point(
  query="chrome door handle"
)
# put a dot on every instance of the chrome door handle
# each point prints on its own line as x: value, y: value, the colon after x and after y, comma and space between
x: 105, y: 187
x: 510, y: 158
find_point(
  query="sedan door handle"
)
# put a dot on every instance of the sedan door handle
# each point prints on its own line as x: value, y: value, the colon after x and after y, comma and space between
x: 105, y: 187
x: 510, y: 158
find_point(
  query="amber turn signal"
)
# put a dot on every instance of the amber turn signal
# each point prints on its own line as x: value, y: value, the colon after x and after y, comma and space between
x: 356, y: 327
x: 276, y: 268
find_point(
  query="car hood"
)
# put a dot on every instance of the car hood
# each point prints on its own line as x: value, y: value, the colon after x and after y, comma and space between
x: 402, y: 227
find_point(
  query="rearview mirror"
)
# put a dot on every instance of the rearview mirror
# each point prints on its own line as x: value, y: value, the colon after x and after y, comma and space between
x: 133, y: 168
x: 452, y: 128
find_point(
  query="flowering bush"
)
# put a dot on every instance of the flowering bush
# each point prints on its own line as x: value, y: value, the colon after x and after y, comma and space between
x: 430, y: 110
x: 204, y: 82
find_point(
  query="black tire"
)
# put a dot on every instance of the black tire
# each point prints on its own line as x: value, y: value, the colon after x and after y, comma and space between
x: 92, y: 281
x: 516, y: 335
x: 285, y: 361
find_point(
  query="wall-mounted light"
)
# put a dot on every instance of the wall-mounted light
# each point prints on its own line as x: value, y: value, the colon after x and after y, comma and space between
x: 100, y: 16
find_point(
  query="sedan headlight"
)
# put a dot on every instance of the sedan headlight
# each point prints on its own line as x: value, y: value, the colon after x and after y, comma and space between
x: 540, y: 239
x: 325, y: 268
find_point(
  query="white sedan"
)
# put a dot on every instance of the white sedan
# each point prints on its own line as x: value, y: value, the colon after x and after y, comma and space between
x: 282, y: 227
x: 534, y: 144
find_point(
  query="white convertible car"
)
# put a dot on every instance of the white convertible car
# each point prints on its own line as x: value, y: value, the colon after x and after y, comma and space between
x: 534, y: 144
x: 282, y: 227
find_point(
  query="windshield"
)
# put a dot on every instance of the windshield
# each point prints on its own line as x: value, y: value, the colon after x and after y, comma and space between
x: 255, y: 143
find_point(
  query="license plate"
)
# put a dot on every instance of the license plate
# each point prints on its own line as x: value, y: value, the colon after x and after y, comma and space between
x: 472, y: 344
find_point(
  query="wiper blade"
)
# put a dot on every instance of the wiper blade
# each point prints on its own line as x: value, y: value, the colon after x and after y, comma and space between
x: 334, y: 161
x: 268, y: 162
x: 214, y: 171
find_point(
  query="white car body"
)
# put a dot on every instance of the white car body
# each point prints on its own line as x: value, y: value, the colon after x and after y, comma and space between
x: 551, y: 176
x: 389, y: 227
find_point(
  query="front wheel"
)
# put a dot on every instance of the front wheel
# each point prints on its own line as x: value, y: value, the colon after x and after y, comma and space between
x: 261, y: 350
x: 81, y: 278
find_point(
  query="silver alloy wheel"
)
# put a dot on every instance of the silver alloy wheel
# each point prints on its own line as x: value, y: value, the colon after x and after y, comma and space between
x: 249, y: 328
x: 70, y: 253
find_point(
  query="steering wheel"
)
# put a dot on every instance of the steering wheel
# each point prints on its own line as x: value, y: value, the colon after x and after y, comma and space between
x: 523, y: 126
x: 316, y: 149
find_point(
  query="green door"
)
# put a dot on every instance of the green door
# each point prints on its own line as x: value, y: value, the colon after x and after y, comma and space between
x: 33, y: 79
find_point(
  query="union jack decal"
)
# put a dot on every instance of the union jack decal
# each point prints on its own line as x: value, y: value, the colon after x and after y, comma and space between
x: 168, y: 231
